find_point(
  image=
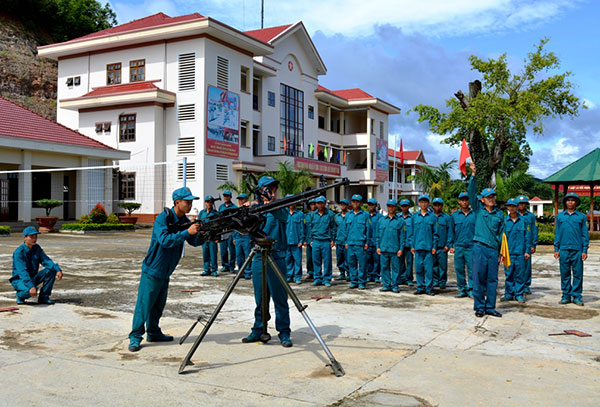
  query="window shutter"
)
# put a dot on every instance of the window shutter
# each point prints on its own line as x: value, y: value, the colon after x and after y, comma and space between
x: 222, y: 73
x: 187, y: 71
x: 186, y: 145
x: 186, y: 112
x: 190, y: 171
x: 222, y: 172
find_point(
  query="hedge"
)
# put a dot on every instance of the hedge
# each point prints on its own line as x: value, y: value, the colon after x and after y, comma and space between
x: 4, y: 230
x: 96, y: 226
x: 545, y: 238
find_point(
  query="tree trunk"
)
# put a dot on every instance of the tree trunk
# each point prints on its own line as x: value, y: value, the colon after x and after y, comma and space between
x: 478, y: 147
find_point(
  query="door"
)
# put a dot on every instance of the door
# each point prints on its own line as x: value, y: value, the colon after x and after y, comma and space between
x: 66, y: 197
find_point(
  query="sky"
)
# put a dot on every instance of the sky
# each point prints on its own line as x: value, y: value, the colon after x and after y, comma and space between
x: 409, y: 52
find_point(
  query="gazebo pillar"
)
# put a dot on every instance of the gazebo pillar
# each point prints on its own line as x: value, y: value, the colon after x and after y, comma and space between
x: 556, y: 186
x: 591, y: 206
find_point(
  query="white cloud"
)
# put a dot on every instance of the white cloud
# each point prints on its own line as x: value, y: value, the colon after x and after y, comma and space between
x: 359, y: 17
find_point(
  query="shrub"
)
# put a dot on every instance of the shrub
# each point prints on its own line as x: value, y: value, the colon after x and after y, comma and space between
x: 98, y: 214
x: 130, y: 206
x: 545, y: 238
x: 85, y: 219
x: 48, y: 204
x: 97, y: 226
x: 4, y: 230
x: 545, y: 228
x: 112, y: 219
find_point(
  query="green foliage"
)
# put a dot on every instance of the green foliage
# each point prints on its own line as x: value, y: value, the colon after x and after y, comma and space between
x: 498, y: 117
x: 130, y: 206
x: 4, y: 230
x: 112, y: 219
x: 48, y: 204
x: 584, y: 205
x: 291, y: 181
x: 545, y: 227
x: 436, y: 181
x: 238, y: 189
x: 62, y: 19
x: 97, y: 227
x: 546, y: 220
x: 98, y: 214
x: 545, y: 238
x: 85, y: 219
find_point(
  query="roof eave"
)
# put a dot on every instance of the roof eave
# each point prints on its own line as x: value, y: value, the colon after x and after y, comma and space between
x: 63, y: 148
x: 321, y: 68
x: 164, y: 32
x: 157, y: 95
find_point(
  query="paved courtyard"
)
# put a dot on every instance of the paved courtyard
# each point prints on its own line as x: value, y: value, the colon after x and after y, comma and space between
x: 396, y: 349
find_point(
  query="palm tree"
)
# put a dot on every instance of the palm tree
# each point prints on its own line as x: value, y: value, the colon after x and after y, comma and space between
x: 291, y: 181
x: 513, y: 184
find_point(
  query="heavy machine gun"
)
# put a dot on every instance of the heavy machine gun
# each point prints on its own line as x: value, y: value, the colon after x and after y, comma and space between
x: 250, y: 219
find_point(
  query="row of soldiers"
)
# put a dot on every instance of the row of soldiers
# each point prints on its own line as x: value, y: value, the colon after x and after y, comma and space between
x: 375, y: 247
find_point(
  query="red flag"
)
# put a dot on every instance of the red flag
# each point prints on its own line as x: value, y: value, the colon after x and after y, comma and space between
x: 464, y: 154
x: 401, y: 153
x: 284, y: 144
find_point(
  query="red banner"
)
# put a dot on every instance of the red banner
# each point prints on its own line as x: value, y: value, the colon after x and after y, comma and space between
x: 317, y: 167
x: 581, y: 190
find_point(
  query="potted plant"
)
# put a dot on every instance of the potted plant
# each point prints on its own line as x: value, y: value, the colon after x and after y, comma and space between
x: 46, y: 223
x: 129, y: 207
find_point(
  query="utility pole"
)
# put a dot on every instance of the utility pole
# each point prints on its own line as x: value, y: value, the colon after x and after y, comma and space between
x: 262, y: 14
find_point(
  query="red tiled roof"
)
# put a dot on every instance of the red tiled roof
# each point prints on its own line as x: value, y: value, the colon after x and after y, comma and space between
x: 267, y: 34
x: 19, y: 122
x: 154, y: 20
x: 411, y: 155
x: 348, y: 94
x: 122, y: 88
x: 535, y: 198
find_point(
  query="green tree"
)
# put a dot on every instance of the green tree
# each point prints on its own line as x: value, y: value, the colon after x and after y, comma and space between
x: 61, y: 19
x: 500, y: 109
x: 290, y: 180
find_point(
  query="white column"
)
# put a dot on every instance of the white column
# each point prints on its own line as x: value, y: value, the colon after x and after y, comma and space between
x: 81, y: 189
x: 413, y: 171
x: 328, y: 118
x: 108, y: 188
x: 342, y: 127
x: 25, y: 188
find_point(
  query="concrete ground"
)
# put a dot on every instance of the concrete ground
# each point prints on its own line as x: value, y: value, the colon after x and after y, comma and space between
x: 396, y: 349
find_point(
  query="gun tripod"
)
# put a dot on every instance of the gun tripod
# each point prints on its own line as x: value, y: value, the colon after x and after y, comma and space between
x: 262, y: 246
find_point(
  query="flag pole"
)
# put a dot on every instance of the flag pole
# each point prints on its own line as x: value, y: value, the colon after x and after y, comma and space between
x: 394, y: 176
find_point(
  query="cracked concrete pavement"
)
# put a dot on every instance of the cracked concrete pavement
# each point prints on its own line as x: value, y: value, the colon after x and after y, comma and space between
x: 396, y: 349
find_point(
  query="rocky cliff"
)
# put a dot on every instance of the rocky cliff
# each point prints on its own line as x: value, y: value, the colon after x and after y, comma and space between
x: 26, y: 78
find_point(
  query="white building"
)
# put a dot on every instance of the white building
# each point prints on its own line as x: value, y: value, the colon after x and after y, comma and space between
x: 406, y: 164
x: 231, y: 102
x: 31, y: 146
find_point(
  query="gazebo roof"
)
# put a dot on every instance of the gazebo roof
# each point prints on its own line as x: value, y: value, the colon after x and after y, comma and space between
x: 586, y: 169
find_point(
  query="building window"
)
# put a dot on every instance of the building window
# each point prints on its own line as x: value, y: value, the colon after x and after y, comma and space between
x: 127, y: 186
x: 103, y: 128
x: 127, y: 127
x: 190, y: 171
x: 113, y: 74
x: 137, y: 70
x: 271, y: 96
x: 70, y: 81
x: 321, y: 122
x: 186, y: 146
x: 271, y: 143
x: 244, y: 77
x: 187, y: 71
x: 381, y: 130
x: 244, y: 134
x: 77, y: 80
x: 292, y: 120
x: 311, y: 112
x: 222, y: 73
x: 373, y: 126
x: 256, y: 144
x: 186, y: 112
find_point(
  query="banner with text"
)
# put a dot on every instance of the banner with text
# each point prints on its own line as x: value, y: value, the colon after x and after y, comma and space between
x: 382, y: 168
x: 317, y: 167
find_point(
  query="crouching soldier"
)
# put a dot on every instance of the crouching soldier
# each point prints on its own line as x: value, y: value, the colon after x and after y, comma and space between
x: 518, y: 235
x: 26, y: 276
x: 390, y: 242
x: 571, y: 242
x: 163, y: 255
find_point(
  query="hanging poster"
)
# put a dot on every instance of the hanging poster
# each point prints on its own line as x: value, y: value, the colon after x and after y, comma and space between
x: 222, y: 123
x: 382, y: 172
